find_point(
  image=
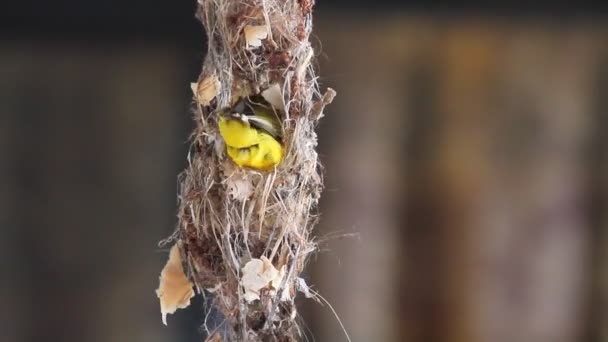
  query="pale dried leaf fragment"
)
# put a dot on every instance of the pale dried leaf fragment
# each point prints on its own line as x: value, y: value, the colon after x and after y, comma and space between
x: 175, y: 290
x: 254, y: 34
x: 301, y: 286
x: 206, y: 90
x: 259, y: 274
x: 319, y: 106
x: 274, y: 96
x: 239, y: 186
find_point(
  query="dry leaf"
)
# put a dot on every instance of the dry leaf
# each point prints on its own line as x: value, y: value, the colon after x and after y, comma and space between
x: 255, y: 34
x: 274, y: 96
x: 206, y: 90
x: 239, y: 186
x: 175, y: 290
x: 317, y: 109
x: 258, y: 274
x: 303, y: 287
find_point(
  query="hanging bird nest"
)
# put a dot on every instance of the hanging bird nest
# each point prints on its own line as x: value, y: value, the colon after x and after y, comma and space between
x: 245, y: 234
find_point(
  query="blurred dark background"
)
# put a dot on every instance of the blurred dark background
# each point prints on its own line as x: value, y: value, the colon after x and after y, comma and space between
x: 467, y: 151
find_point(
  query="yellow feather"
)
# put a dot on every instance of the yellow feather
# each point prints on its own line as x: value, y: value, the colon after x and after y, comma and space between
x: 248, y: 146
x: 237, y: 133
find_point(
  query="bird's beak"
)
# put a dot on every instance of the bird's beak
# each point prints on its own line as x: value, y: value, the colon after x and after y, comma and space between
x: 240, y: 117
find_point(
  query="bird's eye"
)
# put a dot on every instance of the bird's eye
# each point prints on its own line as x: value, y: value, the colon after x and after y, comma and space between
x: 239, y: 107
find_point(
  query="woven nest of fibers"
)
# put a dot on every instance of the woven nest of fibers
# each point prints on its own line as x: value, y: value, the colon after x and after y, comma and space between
x: 244, y: 234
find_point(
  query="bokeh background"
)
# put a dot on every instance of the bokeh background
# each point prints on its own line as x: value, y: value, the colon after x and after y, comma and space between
x: 466, y: 165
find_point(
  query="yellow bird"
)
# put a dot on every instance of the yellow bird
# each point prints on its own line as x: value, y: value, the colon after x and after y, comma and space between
x: 252, y: 133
